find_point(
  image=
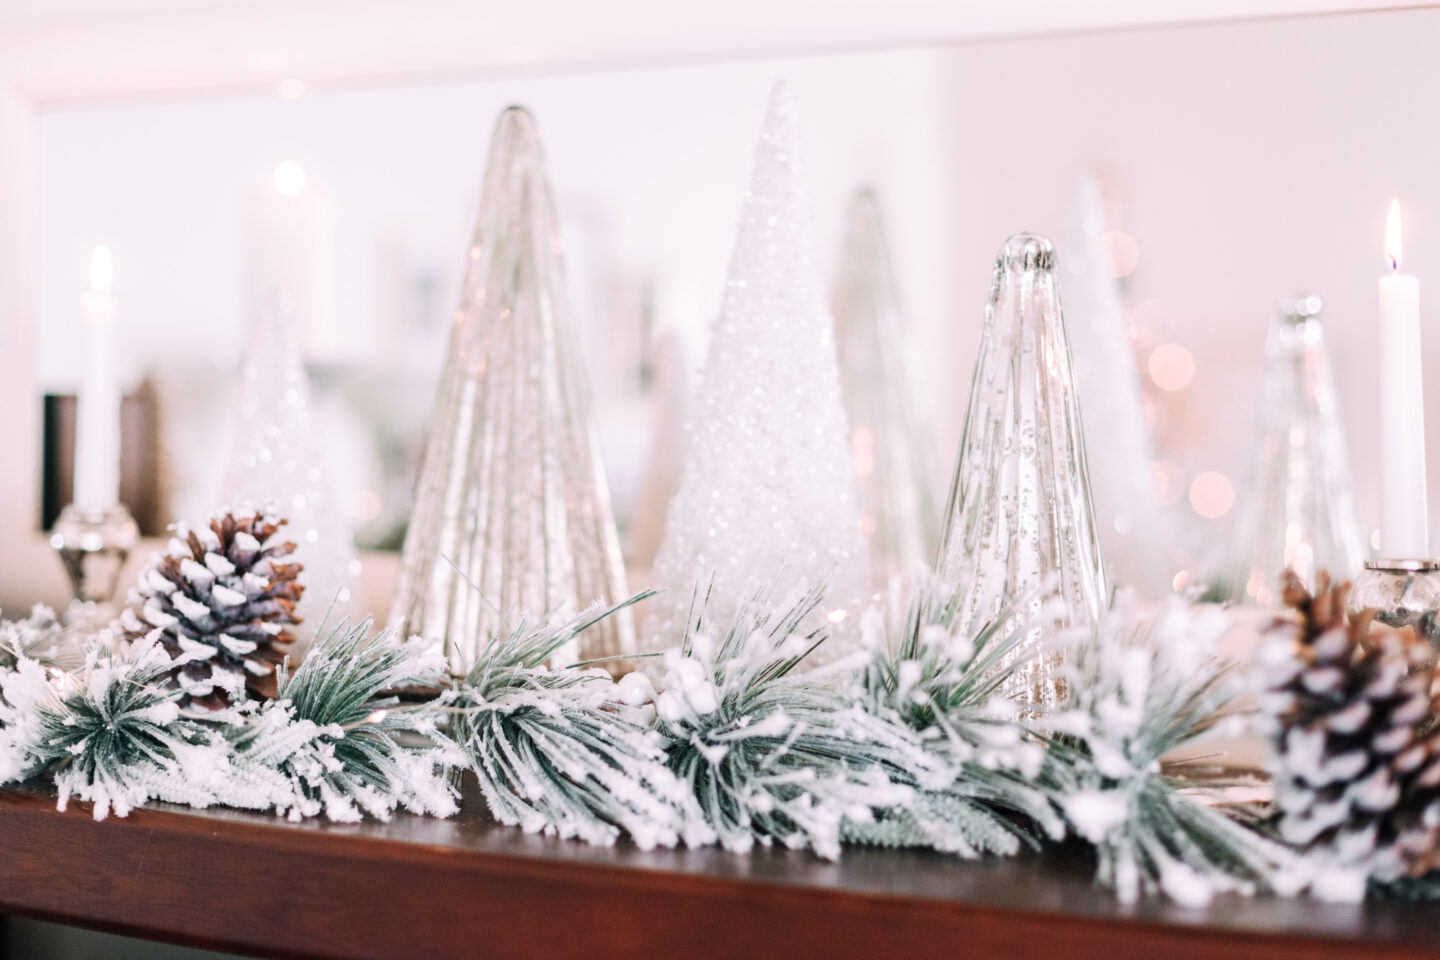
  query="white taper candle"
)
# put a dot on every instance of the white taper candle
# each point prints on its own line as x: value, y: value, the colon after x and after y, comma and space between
x: 1404, y: 524
x: 97, y: 432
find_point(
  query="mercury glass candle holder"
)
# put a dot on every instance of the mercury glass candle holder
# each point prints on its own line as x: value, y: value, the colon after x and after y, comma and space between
x: 93, y: 543
x: 1402, y: 593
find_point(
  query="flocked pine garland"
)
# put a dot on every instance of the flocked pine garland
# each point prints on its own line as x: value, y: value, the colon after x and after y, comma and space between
x: 907, y: 742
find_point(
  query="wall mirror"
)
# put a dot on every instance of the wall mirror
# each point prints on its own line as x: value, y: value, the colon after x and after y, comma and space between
x: 1231, y: 164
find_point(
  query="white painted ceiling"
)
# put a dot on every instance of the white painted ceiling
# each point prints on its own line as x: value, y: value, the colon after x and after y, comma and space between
x: 69, y: 49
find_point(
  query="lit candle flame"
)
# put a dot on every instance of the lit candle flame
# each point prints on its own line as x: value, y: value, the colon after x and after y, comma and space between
x: 102, y: 270
x: 1392, y: 235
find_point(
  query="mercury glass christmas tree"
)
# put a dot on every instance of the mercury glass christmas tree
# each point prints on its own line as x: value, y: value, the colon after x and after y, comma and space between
x: 1298, y: 512
x: 766, y: 492
x: 512, y: 511
x: 890, y: 452
x: 278, y: 464
x: 1020, y: 524
x: 1133, y: 528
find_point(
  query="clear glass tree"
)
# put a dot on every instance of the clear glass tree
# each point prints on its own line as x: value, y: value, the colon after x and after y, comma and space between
x: 890, y: 450
x: 1020, y: 523
x: 512, y: 510
x: 1298, y: 509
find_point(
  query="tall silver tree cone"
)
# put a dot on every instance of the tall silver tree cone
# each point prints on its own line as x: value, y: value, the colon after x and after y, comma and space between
x: 278, y: 462
x: 1299, y: 509
x: 766, y: 492
x: 890, y: 451
x: 1020, y: 523
x: 512, y: 512
x: 1134, y: 529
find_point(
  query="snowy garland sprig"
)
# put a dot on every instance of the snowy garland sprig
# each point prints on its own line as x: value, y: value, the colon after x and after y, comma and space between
x: 771, y: 756
x: 107, y: 733
x: 564, y: 750
x: 331, y: 742
x: 40, y: 637
x: 946, y: 687
x: 1139, y: 688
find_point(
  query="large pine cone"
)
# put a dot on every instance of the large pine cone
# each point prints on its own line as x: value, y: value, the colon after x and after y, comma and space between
x: 1349, y: 704
x: 221, y: 598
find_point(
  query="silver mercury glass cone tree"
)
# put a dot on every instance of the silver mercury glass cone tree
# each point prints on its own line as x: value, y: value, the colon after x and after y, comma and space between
x: 512, y: 511
x: 1020, y: 523
x: 1298, y: 511
x: 766, y: 492
x: 890, y: 452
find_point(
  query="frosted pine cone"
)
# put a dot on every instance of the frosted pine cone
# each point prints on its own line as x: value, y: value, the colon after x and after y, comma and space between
x: 1348, y: 704
x: 222, y: 599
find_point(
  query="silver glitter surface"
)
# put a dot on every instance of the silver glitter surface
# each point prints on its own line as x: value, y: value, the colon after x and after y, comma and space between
x: 890, y: 452
x: 1020, y: 523
x: 512, y: 512
x: 1298, y: 510
x: 278, y: 462
x: 766, y: 491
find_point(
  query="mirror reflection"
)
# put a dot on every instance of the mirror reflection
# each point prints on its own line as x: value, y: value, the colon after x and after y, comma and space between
x: 1190, y: 179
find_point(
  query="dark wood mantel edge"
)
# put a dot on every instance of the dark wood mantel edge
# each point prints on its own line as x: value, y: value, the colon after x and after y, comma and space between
x: 455, y: 898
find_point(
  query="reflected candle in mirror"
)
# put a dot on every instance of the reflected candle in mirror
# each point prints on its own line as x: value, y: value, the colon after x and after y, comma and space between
x: 1403, y: 510
x: 97, y: 443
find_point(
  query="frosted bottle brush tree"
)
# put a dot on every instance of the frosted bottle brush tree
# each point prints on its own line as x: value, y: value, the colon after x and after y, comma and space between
x: 766, y: 489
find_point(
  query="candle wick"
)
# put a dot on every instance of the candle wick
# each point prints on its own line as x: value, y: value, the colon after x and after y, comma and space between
x: 1394, y: 262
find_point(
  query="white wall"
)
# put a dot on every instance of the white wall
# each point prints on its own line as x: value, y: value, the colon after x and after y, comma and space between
x: 1251, y: 160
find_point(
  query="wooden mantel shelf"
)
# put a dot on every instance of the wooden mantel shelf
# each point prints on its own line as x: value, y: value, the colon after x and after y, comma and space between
x: 467, y: 887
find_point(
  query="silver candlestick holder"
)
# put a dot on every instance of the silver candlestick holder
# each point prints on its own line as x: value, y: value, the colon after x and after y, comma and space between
x: 1402, y: 593
x: 93, y: 543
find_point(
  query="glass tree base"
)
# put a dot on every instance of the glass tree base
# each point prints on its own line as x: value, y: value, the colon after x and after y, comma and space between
x: 93, y: 543
x: 1402, y: 593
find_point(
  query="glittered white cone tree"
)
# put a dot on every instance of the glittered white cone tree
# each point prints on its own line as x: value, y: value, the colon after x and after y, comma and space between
x: 1134, y: 529
x: 278, y: 463
x: 889, y: 444
x: 1020, y: 525
x: 512, y: 511
x: 766, y: 491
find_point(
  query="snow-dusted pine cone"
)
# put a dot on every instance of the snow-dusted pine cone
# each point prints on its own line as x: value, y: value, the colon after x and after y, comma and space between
x: 222, y: 598
x: 1349, y: 707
